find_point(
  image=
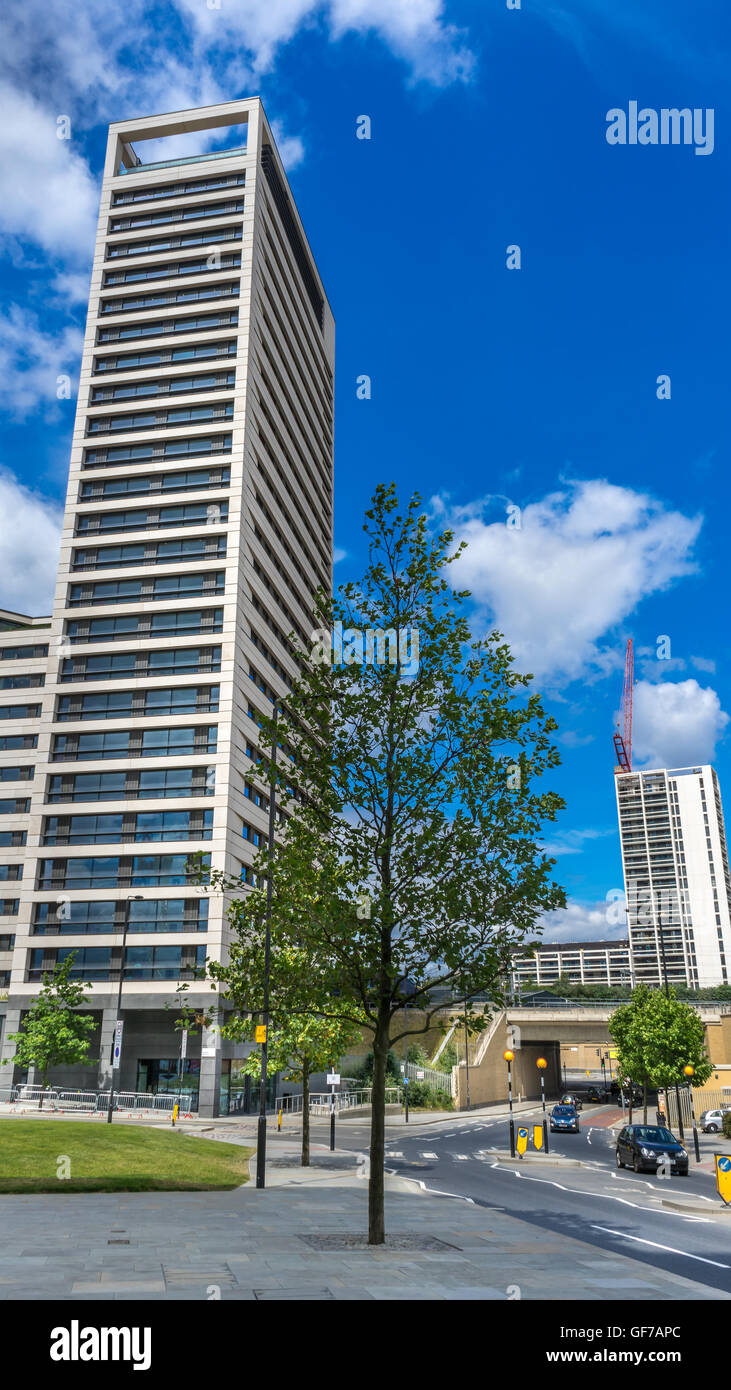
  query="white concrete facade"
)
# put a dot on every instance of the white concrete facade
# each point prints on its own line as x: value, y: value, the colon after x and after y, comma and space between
x: 198, y: 524
x: 676, y: 874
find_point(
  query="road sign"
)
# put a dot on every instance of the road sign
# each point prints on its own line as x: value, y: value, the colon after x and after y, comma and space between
x: 522, y: 1140
x: 538, y: 1136
x: 260, y: 1035
x: 420, y: 1076
x: 117, y: 1053
x: 514, y: 1037
x: 723, y: 1177
x: 333, y: 1078
x: 184, y: 1043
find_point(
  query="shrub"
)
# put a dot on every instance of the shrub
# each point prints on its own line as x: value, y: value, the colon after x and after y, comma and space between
x: 424, y: 1097
x: 727, y: 1124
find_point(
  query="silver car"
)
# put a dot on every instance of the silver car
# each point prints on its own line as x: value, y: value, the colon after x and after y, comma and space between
x: 712, y: 1121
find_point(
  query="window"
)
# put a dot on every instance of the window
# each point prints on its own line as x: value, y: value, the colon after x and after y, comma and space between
x: 175, y: 190
x: 198, y: 323
x: 7, y: 941
x: 177, y: 214
x: 21, y: 682
x: 143, y: 520
x: 127, y: 626
x: 22, y: 653
x: 193, y: 479
x: 113, y: 665
x: 139, y: 453
x: 119, y: 786
x: 153, y: 299
x: 16, y: 774
x: 163, y: 553
x: 156, y: 357
x: 11, y: 873
x: 12, y: 743
x: 136, y: 275
x: 136, y: 743
x: 182, y: 699
x: 154, y: 587
x: 173, y: 243
x: 20, y: 712
x: 144, y: 825
x: 163, y: 386
x: 14, y: 806
x: 104, y: 917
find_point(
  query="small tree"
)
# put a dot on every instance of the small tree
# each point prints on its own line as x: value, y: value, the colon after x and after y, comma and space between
x: 657, y: 1035
x: 411, y: 853
x: 52, y: 1033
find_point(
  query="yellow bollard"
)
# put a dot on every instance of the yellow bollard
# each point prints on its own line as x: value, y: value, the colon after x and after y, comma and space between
x: 279, y: 1126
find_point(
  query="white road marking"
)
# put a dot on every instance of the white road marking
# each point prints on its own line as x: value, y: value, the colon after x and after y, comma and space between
x: 669, y: 1248
x: 395, y: 1153
x: 461, y: 1157
x: 429, y: 1155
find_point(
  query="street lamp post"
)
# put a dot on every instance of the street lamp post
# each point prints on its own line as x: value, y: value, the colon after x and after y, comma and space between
x: 467, y: 1056
x: 406, y: 1063
x: 261, y: 1131
x: 117, y: 1055
x: 690, y: 1073
x: 508, y: 1055
x: 542, y: 1064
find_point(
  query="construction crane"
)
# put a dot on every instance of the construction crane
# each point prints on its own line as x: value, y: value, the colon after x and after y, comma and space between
x: 623, y: 736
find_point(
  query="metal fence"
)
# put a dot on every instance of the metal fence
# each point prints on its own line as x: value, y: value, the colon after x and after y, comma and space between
x: 52, y: 1098
x: 320, y: 1101
x: 702, y: 1100
x: 428, y: 1076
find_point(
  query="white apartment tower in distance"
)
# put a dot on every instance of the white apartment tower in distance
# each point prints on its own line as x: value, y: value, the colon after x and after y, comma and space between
x: 198, y: 525
x: 676, y: 875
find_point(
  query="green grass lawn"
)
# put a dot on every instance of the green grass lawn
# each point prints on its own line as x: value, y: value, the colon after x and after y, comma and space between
x: 114, y: 1158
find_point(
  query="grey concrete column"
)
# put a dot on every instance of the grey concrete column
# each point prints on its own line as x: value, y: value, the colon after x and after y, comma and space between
x: 11, y: 1024
x: 106, y: 1038
x: 209, y: 1096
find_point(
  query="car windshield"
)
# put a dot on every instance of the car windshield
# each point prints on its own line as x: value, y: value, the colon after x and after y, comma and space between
x: 563, y: 1109
x: 653, y: 1134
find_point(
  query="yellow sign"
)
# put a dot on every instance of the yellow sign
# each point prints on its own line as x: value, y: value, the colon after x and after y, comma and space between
x: 522, y: 1140
x: 723, y: 1177
x: 176, y: 1111
x: 261, y: 1033
x: 538, y: 1136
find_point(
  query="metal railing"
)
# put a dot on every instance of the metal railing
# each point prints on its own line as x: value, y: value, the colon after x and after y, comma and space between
x: 320, y: 1101
x: 428, y: 1076
x: 24, y: 1097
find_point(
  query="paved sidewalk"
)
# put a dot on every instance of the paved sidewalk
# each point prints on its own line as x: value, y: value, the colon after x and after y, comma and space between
x: 247, y: 1245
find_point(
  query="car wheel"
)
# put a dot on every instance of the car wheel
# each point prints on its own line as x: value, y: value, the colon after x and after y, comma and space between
x: 712, y: 1129
x: 636, y: 1164
x: 618, y: 1159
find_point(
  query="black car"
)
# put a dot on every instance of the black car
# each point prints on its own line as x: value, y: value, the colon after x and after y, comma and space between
x: 594, y: 1094
x: 572, y: 1100
x: 564, y: 1118
x: 643, y: 1147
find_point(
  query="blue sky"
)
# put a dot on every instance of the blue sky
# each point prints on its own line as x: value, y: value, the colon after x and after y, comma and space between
x: 532, y: 388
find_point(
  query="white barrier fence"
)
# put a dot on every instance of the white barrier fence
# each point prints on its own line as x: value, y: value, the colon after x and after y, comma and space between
x: 320, y: 1101
x: 53, y: 1099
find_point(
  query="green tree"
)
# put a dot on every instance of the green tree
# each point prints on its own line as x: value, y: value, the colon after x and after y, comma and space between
x: 657, y: 1035
x: 53, y: 1033
x: 410, y: 854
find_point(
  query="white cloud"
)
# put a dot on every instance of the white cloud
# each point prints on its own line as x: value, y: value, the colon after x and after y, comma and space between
x: 30, y: 528
x: 31, y: 362
x: 676, y: 724
x: 578, y: 565
x: 573, y: 841
x: 580, y: 921
x: 47, y: 193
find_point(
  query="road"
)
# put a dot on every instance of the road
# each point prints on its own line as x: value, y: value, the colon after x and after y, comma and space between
x: 616, y: 1211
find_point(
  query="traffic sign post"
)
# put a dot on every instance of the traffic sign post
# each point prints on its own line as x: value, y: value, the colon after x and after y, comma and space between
x: 690, y: 1073
x: 722, y: 1164
x: 333, y: 1080
x: 522, y: 1141
x: 538, y: 1137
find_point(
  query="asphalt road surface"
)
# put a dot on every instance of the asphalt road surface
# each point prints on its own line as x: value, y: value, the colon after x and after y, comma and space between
x: 616, y: 1211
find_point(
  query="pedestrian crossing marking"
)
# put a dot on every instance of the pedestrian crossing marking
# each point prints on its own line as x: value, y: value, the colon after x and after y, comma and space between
x: 429, y: 1155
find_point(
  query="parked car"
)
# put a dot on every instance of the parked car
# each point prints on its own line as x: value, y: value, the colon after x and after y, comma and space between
x: 564, y: 1118
x: 595, y: 1094
x: 643, y: 1147
x: 575, y: 1101
x: 712, y: 1121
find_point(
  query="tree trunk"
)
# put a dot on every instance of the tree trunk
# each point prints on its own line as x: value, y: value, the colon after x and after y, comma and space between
x: 644, y: 1104
x: 376, y: 1215
x: 631, y: 1098
x: 305, y: 1113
